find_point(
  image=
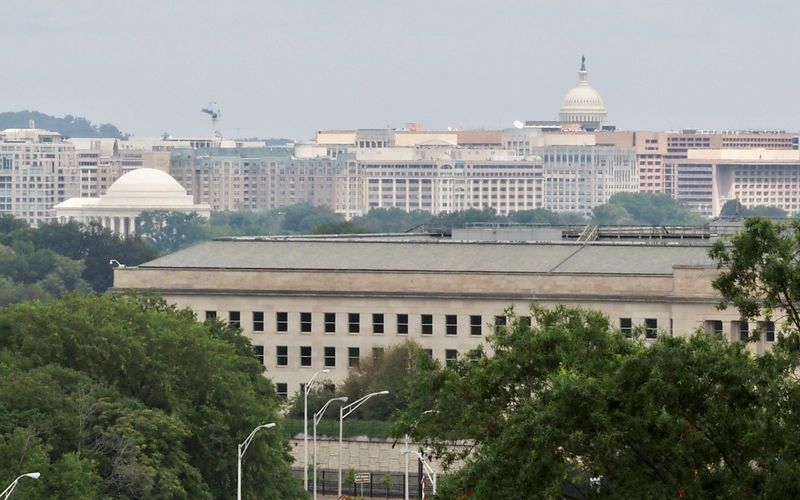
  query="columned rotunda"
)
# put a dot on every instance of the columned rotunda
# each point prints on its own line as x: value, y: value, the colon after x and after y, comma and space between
x: 583, y: 104
x: 143, y: 189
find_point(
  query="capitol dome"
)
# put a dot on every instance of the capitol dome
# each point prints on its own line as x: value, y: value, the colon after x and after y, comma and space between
x: 583, y: 104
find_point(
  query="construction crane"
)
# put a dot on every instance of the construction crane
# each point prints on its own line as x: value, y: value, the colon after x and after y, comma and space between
x: 215, y: 113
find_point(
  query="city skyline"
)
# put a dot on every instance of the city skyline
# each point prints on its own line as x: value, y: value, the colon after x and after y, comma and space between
x: 290, y: 69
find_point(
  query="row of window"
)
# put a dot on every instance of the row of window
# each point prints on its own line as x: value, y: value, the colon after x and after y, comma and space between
x: 329, y: 355
x: 451, y: 327
x: 354, y: 324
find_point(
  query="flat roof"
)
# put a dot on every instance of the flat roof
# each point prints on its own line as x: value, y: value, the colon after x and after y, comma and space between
x: 434, y: 256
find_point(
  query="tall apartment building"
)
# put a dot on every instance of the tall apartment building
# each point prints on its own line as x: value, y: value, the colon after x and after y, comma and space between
x: 249, y: 179
x: 103, y: 161
x: 38, y: 169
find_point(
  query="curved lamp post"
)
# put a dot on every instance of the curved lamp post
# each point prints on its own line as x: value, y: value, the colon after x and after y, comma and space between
x: 7, y: 492
x: 407, y: 450
x: 241, y: 448
x: 317, y: 418
x: 306, y: 389
x: 344, y: 411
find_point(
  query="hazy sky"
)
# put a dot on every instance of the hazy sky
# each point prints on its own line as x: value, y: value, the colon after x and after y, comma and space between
x: 288, y: 68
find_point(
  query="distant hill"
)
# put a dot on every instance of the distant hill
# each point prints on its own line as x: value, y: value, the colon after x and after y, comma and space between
x: 69, y: 126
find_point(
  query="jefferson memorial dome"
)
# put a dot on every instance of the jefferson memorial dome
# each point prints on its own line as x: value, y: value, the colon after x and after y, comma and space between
x: 583, y: 104
x: 143, y: 189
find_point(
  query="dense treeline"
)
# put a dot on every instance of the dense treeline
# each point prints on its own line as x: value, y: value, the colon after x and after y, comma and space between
x: 168, y: 232
x: 43, y: 262
x: 126, y: 397
x: 69, y: 126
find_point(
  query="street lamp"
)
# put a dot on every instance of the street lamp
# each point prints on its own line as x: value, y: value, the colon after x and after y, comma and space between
x: 241, y: 448
x: 344, y: 411
x: 407, y: 450
x: 307, y: 388
x: 317, y: 418
x: 7, y: 492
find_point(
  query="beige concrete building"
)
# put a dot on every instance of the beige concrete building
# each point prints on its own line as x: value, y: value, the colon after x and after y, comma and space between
x: 768, y: 177
x: 308, y: 304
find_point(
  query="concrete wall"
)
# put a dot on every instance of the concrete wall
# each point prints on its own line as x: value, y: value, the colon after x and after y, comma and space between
x: 360, y: 454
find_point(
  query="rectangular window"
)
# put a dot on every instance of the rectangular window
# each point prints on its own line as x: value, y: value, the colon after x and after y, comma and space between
x: 211, y: 315
x: 282, y: 322
x: 713, y: 326
x: 626, y: 326
x: 234, y: 318
x: 377, y: 323
x: 353, y: 322
x: 450, y: 356
x: 451, y: 324
x: 500, y: 320
x: 377, y: 353
x: 282, y: 389
x: 402, y: 324
x: 353, y: 357
x: 650, y: 328
x: 258, y: 321
x: 525, y: 321
x: 305, y: 355
x: 259, y: 351
x: 768, y: 327
x: 744, y: 331
x: 426, y: 323
x: 475, y: 325
x: 330, y: 322
x: 429, y: 352
x: 305, y: 322
x: 330, y: 356
x: 282, y: 355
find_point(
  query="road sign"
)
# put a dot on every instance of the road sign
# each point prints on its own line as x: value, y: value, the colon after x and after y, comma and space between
x: 362, y: 477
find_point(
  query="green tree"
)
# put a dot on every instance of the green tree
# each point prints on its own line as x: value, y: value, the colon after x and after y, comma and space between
x: 611, y: 214
x: 760, y: 272
x: 571, y: 399
x: 152, y: 399
x: 733, y: 208
x: 169, y: 231
x: 383, y: 371
x: 302, y: 218
x: 654, y: 209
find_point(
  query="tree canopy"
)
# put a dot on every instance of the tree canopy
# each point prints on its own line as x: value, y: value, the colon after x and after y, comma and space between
x: 126, y: 397
x: 645, y: 208
x: 571, y: 407
x: 43, y: 262
x: 386, y: 370
x: 733, y: 208
x: 69, y: 126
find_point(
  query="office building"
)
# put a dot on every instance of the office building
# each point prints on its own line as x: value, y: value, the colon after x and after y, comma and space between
x: 313, y: 303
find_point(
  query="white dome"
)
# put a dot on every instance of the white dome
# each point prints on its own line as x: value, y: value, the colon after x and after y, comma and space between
x: 146, y: 180
x: 583, y: 104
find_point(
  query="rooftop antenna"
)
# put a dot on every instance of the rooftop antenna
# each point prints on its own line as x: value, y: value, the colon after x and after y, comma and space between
x: 215, y: 113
